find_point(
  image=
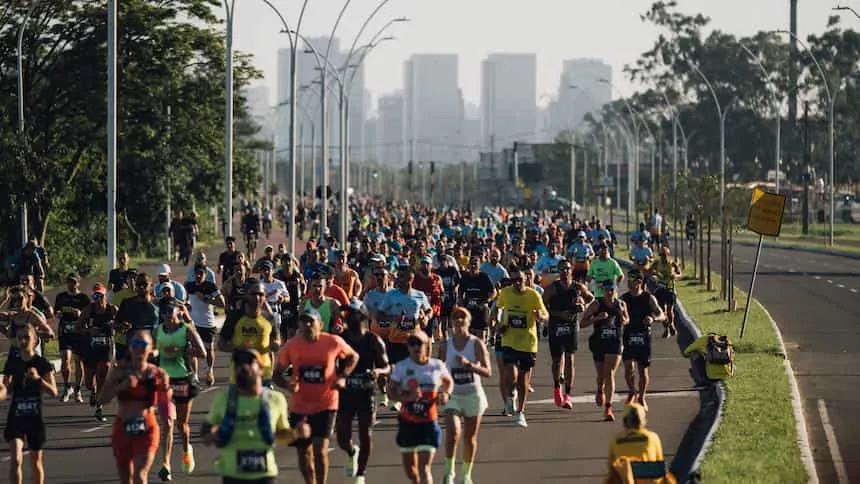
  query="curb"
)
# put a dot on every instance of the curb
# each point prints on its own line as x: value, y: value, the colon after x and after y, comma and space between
x: 796, y: 404
x: 797, y: 248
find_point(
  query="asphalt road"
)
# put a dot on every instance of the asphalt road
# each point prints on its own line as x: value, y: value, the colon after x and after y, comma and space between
x: 558, y: 446
x: 814, y: 299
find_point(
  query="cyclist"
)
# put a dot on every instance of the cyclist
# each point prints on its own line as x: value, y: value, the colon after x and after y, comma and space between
x: 27, y: 376
x: 246, y: 420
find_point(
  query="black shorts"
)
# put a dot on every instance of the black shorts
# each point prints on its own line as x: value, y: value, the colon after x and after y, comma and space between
x: 417, y: 435
x: 448, y: 304
x: 480, y: 316
x: 207, y: 333
x: 183, y: 390
x: 92, y: 356
x: 29, y: 429
x: 321, y: 424
x: 289, y: 319
x: 563, y: 338
x: 121, y: 351
x: 523, y: 360
x: 600, y: 347
x: 665, y: 297
x: 70, y: 342
x: 359, y: 404
x: 580, y: 274
x: 397, y: 352
x: 637, y: 346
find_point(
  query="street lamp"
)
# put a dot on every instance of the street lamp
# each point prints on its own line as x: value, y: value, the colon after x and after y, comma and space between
x: 111, y: 133
x: 230, y: 10
x: 831, y: 100
x: 776, y: 108
x: 20, y: 55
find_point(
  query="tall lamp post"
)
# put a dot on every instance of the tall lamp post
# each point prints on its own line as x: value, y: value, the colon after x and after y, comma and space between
x: 111, y: 133
x: 831, y: 101
x: 20, y: 57
x: 230, y: 10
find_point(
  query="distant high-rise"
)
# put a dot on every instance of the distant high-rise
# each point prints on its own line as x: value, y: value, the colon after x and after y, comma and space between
x: 589, y: 96
x: 508, y: 97
x: 433, y: 106
x: 259, y: 108
x: 390, y: 129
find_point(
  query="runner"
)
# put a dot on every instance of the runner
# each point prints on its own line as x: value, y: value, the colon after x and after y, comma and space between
x: 27, y: 376
x: 138, y: 313
x: 245, y: 421
x: 379, y: 325
x: 96, y: 322
x: 173, y: 339
x: 357, y: 400
x: 135, y: 383
x: 604, y: 268
x: 421, y: 384
x: 476, y: 292
x: 468, y: 361
x: 566, y: 300
x: 322, y: 363
x: 120, y: 329
x: 344, y: 276
x: 522, y: 310
x: 327, y: 307
x: 643, y: 311
x: 581, y: 252
x: 667, y: 271
x: 406, y: 309
x: 204, y: 297
x: 69, y: 305
x: 251, y: 329
x: 450, y: 275
x: 608, y: 315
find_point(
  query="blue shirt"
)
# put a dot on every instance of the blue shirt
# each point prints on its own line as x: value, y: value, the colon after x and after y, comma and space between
x: 409, y: 305
x: 496, y: 272
x: 641, y: 254
x: 580, y: 251
x: 179, y: 291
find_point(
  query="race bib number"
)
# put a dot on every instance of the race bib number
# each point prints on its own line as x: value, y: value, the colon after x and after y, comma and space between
x: 359, y: 382
x: 135, y: 427
x: 563, y: 330
x: 517, y: 321
x: 609, y: 333
x: 180, y: 389
x: 383, y: 324
x: 68, y: 328
x: 100, y: 341
x: 472, y: 303
x: 406, y: 325
x: 27, y: 407
x: 252, y: 461
x: 462, y: 376
x: 312, y: 374
x: 638, y: 338
x: 419, y: 408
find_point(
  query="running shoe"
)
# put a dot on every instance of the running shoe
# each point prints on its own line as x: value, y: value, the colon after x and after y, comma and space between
x: 467, y: 479
x: 448, y: 479
x: 520, y: 419
x: 351, y: 466
x: 556, y: 396
x: 68, y: 394
x: 100, y: 414
x: 188, y: 463
x: 210, y: 377
x: 360, y: 480
x: 78, y: 397
x: 568, y: 402
x: 608, y: 415
x: 164, y: 474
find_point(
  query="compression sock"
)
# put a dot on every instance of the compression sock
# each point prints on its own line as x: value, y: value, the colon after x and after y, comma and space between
x: 467, y: 468
x: 449, y: 465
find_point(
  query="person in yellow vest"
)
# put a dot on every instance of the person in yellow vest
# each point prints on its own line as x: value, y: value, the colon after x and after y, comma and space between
x: 636, y: 453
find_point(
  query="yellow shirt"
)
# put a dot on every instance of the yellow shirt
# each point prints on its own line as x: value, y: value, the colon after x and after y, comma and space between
x: 639, y: 445
x: 116, y: 300
x: 520, y: 319
x: 254, y: 333
x: 714, y: 371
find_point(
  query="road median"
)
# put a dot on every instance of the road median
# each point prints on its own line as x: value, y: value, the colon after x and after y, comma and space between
x: 761, y: 407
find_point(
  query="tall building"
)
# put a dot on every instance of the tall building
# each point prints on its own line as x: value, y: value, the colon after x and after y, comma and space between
x: 508, y: 97
x: 589, y: 96
x: 390, y: 129
x: 433, y: 106
x: 309, y: 101
x: 259, y: 108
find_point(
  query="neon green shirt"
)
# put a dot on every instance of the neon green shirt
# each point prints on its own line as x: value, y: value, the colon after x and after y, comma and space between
x: 603, y: 270
x: 247, y: 446
x: 175, y: 367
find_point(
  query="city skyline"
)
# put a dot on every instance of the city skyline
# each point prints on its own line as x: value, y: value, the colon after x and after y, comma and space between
x: 556, y: 30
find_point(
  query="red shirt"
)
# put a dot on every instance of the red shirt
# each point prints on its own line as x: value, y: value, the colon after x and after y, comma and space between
x: 432, y: 287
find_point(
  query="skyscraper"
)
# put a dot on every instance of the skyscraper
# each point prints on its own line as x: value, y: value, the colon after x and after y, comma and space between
x: 390, y: 129
x: 259, y: 108
x: 589, y: 96
x: 433, y: 106
x: 508, y: 96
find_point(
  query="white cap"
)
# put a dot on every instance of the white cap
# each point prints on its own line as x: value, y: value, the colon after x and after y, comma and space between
x: 164, y: 269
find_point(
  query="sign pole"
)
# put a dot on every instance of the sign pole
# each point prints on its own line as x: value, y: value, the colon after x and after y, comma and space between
x: 752, y: 285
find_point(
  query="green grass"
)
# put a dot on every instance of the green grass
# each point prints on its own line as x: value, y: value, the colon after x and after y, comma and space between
x: 52, y: 352
x: 756, y: 440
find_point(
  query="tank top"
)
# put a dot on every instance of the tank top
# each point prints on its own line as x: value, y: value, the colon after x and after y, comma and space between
x: 614, y: 311
x: 465, y: 381
x: 368, y: 354
x: 563, y: 299
x: 175, y: 367
x: 638, y: 307
x: 101, y: 322
x: 237, y: 294
x: 145, y: 389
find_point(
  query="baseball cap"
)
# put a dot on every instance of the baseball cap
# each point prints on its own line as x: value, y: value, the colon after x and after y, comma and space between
x: 99, y: 288
x: 267, y: 264
x: 310, y: 313
x: 608, y: 285
x: 426, y: 259
x: 73, y: 277
x: 377, y: 258
x: 355, y: 306
x: 580, y: 235
x: 164, y: 269
x: 247, y: 355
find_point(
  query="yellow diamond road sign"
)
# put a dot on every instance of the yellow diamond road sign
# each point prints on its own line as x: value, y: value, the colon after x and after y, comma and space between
x: 766, y: 211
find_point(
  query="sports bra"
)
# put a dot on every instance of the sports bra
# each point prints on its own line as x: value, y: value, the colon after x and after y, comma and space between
x: 145, y: 389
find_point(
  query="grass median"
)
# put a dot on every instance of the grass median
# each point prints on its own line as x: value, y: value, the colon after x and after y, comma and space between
x: 756, y: 439
x: 52, y: 352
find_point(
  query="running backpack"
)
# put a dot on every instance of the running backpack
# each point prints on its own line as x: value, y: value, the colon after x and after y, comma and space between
x: 720, y: 350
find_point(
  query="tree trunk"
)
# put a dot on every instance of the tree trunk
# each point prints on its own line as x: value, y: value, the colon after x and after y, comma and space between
x: 708, y: 275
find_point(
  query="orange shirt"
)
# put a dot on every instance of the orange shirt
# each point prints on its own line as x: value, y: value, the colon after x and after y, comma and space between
x: 335, y: 293
x: 314, y: 369
x: 348, y: 281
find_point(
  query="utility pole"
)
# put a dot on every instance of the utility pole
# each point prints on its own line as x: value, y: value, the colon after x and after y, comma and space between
x: 792, y: 79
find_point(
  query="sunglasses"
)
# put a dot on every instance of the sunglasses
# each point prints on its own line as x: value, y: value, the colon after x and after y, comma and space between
x: 97, y: 296
x: 564, y: 268
x: 257, y: 294
x: 138, y: 343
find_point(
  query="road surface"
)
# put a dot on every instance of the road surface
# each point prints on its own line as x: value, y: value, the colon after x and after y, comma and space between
x: 559, y: 446
x: 814, y: 300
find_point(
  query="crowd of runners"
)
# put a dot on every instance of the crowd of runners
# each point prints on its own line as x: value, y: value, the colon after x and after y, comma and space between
x: 416, y: 315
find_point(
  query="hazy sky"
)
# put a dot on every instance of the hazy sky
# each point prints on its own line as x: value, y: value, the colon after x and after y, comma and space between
x: 554, y: 29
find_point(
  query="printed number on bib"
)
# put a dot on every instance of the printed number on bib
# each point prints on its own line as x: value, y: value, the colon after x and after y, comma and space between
x: 100, y: 341
x: 312, y: 374
x: 462, y: 376
x: 518, y: 321
x: 252, y: 461
x: 135, y: 426
x: 562, y: 330
x: 637, y: 339
x: 68, y: 328
x: 406, y: 325
x: 383, y: 324
x: 27, y: 407
x: 419, y: 408
x: 472, y: 303
x: 359, y: 382
x: 609, y: 333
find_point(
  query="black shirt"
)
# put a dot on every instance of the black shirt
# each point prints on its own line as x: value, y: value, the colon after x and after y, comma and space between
x: 26, y: 393
x: 138, y: 312
x: 475, y: 288
x: 227, y: 260
x: 66, y: 304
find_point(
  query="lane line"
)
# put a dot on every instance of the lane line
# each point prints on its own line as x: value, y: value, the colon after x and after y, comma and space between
x: 619, y: 397
x: 817, y: 278
x: 829, y: 281
x: 835, y: 454
x: 94, y: 429
x: 853, y: 290
x: 841, y: 286
x: 9, y: 457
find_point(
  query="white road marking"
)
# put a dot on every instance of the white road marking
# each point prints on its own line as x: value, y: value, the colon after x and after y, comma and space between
x: 835, y: 454
x: 207, y: 390
x: 841, y: 286
x: 853, y: 290
x: 817, y: 278
x: 100, y: 427
x: 829, y: 281
x: 619, y: 397
x: 8, y: 458
x: 792, y: 270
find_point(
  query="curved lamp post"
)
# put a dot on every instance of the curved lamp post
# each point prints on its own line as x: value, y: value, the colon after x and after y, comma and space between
x: 776, y: 107
x: 20, y: 58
